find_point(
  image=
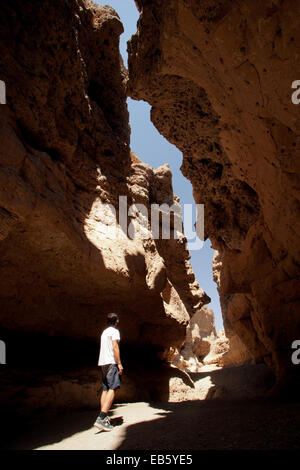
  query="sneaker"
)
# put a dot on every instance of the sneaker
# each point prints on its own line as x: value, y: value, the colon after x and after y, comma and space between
x: 103, y: 424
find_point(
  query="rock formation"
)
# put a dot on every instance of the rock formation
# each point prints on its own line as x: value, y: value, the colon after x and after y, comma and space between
x: 238, y: 353
x: 200, y: 336
x: 64, y: 161
x: 218, y: 76
x: 204, y: 346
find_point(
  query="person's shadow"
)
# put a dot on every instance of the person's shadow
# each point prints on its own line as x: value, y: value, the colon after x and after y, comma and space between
x: 117, y: 420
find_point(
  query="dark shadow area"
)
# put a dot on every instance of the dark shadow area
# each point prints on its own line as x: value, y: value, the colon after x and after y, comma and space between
x: 256, y: 424
x: 35, y: 433
x: 117, y: 421
x: 219, y: 424
x: 33, y: 351
x: 238, y: 381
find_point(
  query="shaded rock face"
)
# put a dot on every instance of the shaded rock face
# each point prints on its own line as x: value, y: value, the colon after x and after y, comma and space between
x: 218, y: 76
x: 56, y: 130
x: 64, y: 158
x: 238, y: 353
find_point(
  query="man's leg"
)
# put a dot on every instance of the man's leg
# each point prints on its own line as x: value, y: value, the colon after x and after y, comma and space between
x: 107, y: 401
x: 103, y: 399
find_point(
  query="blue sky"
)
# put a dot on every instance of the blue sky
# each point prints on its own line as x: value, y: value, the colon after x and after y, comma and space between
x: 152, y: 148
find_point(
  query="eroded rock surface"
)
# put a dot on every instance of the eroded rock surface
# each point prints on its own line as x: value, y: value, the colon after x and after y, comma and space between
x: 64, y: 161
x: 218, y: 76
x: 204, y: 346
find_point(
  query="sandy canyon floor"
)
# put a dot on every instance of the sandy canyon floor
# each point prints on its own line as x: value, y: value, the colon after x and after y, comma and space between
x: 242, y: 420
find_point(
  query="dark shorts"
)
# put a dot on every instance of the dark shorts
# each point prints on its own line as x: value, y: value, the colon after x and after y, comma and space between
x: 111, y: 378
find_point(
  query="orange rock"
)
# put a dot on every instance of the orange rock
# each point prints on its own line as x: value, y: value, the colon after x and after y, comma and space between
x: 64, y: 158
x: 220, y: 90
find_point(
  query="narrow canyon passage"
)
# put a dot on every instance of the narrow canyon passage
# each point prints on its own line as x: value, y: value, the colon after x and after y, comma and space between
x: 68, y: 174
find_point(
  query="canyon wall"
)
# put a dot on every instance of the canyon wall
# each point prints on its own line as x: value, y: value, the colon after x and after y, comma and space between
x: 66, y: 259
x: 218, y: 76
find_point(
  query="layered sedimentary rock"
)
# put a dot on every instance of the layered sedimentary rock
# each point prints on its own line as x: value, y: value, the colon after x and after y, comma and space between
x: 66, y: 257
x: 218, y: 76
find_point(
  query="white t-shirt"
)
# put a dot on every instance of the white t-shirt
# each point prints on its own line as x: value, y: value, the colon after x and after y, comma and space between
x: 106, y: 355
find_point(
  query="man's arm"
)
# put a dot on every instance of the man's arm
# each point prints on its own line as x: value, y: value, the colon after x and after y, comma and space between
x: 117, y: 355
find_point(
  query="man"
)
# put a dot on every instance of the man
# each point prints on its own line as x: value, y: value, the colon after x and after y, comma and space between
x: 111, y: 368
